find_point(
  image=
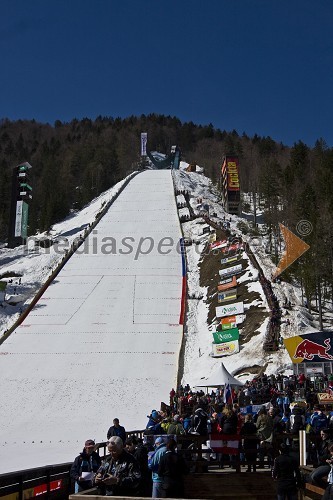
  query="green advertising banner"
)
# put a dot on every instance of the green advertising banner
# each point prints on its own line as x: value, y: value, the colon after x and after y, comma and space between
x: 3, y: 285
x: 226, y: 336
x: 24, y: 226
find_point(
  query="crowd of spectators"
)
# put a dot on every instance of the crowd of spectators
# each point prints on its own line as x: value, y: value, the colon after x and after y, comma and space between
x: 266, y: 414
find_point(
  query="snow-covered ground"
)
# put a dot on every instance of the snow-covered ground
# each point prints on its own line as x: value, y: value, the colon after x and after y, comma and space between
x: 104, y: 339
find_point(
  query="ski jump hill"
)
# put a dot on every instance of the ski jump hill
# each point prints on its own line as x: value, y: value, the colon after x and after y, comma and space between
x: 104, y: 339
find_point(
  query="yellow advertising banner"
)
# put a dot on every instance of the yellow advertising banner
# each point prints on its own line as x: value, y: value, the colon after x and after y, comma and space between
x: 324, y: 398
x: 225, y: 349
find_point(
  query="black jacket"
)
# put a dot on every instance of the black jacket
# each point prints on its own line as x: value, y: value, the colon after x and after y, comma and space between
x: 229, y: 424
x: 126, y: 468
x: 250, y: 429
x: 199, y: 422
x: 322, y: 452
x: 117, y: 431
x: 141, y: 455
x: 287, y: 474
x: 171, y: 469
x: 85, y: 463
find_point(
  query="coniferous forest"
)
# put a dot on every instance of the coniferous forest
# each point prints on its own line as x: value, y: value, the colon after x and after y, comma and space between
x: 74, y: 162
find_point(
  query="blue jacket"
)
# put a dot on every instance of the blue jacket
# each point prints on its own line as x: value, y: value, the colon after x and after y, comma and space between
x: 155, y: 462
x: 154, y: 426
x: 318, y: 421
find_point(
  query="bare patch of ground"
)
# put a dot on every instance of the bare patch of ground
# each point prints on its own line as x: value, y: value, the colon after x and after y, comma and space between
x: 255, y: 316
x: 256, y: 370
x: 209, y: 266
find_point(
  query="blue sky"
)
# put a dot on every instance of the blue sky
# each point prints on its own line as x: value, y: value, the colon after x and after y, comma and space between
x: 256, y: 66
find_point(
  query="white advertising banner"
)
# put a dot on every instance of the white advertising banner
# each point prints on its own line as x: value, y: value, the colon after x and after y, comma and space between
x: 231, y: 270
x: 225, y: 349
x: 144, y: 143
x: 18, y: 218
x: 230, y: 309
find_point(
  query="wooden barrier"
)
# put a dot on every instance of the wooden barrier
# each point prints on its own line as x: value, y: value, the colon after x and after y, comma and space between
x: 312, y: 492
x: 211, y: 485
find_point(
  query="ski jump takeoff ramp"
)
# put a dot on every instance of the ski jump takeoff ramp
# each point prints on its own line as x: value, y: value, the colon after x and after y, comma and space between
x: 104, y: 339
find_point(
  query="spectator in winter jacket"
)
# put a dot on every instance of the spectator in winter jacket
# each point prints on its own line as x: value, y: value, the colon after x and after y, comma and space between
x: 117, y: 430
x: 199, y: 422
x: 153, y: 425
x: 160, y: 449
x: 85, y: 466
x: 265, y: 433
x: 214, y: 424
x: 250, y: 443
x: 286, y: 473
x: 264, y: 425
x: 187, y: 423
x: 119, y: 475
x: 297, y: 420
x: 279, y: 402
x: 165, y: 424
x: 228, y: 421
x: 318, y: 420
x: 329, y: 488
x: 135, y: 446
x: 171, y: 469
x: 176, y: 427
x: 323, y: 454
x: 278, y: 425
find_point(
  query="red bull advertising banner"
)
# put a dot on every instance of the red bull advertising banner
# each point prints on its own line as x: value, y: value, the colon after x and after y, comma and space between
x: 311, y: 347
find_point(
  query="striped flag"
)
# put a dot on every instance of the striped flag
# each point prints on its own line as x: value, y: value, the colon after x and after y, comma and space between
x: 225, y: 443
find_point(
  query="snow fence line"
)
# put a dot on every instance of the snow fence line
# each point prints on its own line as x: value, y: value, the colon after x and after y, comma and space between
x: 66, y: 257
x: 184, y: 297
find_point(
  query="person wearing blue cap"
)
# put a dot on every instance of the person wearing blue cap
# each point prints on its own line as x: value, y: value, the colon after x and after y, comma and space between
x: 160, y: 449
x: 154, y: 426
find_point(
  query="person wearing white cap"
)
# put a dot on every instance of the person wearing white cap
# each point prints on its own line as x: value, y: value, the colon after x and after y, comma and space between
x: 119, y: 475
x: 160, y: 449
x: 85, y: 466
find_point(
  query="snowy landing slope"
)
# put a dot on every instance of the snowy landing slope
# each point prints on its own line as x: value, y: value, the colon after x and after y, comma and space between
x: 104, y: 339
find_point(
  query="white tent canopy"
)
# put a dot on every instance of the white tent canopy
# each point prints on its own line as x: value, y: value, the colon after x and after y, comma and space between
x: 220, y: 377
